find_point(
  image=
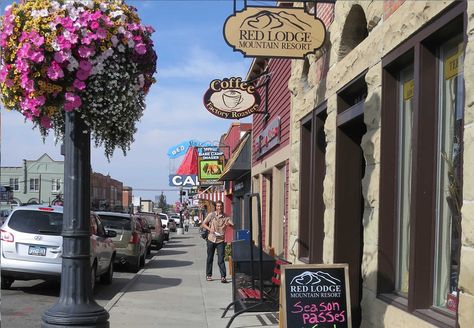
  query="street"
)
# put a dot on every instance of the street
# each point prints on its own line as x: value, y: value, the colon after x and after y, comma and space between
x: 26, y: 301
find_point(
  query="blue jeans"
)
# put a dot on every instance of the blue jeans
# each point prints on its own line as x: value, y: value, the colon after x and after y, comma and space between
x: 211, y: 247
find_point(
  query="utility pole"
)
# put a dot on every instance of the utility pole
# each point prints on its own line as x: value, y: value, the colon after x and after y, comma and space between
x: 181, y: 207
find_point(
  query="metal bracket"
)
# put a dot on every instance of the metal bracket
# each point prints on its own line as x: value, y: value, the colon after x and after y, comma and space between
x: 292, y: 1
x: 265, y: 83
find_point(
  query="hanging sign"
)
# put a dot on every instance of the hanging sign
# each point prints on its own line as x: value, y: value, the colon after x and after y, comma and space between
x: 231, y: 98
x: 268, y: 138
x: 315, y: 295
x: 274, y: 32
x: 210, y: 165
x: 178, y: 150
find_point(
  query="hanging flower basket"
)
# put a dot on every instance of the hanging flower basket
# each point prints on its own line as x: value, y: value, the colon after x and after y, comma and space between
x: 89, y: 56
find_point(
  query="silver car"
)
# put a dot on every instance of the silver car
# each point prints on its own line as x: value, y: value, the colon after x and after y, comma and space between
x: 31, y: 246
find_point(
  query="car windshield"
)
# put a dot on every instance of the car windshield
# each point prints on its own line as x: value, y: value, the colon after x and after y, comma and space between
x: 163, y: 217
x: 151, y: 221
x: 50, y: 223
x: 116, y: 222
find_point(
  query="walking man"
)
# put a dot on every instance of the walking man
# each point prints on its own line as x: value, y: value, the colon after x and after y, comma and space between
x: 216, y: 223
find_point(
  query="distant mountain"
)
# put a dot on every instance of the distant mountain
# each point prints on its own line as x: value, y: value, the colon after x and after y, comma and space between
x: 314, y: 278
x: 271, y: 20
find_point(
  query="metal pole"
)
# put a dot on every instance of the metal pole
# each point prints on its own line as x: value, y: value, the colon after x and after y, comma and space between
x: 76, y: 306
x: 181, y: 207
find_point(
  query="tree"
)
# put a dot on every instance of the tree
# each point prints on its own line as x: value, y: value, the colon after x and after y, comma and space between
x: 162, y: 203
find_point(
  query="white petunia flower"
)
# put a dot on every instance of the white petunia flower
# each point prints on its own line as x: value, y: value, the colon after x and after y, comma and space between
x: 120, y: 48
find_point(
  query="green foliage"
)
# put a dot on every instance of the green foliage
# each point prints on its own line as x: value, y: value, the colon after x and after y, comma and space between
x: 227, y: 252
x: 162, y: 203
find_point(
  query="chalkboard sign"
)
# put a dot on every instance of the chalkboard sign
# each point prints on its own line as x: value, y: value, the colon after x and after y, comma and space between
x: 315, y: 296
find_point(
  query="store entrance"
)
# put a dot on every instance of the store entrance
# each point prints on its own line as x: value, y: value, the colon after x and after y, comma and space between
x: 349, y: 208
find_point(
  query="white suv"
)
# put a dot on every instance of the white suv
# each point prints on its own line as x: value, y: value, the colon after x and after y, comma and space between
x: 31, y: 246
x: 165, y: 221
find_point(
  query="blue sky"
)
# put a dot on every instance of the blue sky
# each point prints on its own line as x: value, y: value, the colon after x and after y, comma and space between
x: 191, y: 52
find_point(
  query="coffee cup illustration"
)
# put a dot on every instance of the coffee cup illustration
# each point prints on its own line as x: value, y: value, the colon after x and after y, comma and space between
x: 232, y: 98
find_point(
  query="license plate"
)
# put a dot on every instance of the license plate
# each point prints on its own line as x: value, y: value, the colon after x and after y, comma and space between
x: 37, y: 251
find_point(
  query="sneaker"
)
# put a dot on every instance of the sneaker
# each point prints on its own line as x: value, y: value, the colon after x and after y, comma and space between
x: 209, y: 278
x: 223, y: 280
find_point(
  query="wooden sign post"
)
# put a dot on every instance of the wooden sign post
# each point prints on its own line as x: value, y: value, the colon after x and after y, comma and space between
x: 315, y: 296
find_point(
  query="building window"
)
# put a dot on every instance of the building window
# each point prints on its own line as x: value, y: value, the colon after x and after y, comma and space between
x: 406, y: 92
x: 421, y: 170
x: 55, y: 185
x: 448, y: 188
x: 14, y: 184
x: 34, y: 184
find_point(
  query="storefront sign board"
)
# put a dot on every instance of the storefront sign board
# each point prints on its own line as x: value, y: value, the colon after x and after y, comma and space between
x: 211, y: 162
x: 231, y: 98
x: 178, y: 180
x: 268, y: 137
x: 274, y: 32
x: 315, y: 295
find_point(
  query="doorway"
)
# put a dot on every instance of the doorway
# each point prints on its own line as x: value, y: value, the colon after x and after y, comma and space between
x: 349, y: 209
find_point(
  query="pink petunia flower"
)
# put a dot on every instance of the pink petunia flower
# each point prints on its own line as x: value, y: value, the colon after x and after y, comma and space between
x: 37, y: 56
x: 85, y: 65
x: 85, y: 52
x: 82, y: 75
x: 140, y: 48
x: 78, y: 84
x: 4, y: 72
x: 95, y: 25
x: 72, y: 101
x: 45, y: 122
x: 101, y: 33
x: 61, y: 56
x: 55, y: 71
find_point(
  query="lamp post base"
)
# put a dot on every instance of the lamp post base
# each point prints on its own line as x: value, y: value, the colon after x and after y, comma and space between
x: 84, y: 316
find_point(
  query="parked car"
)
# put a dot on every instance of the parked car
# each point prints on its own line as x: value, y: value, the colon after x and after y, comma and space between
x: 32, y: 246
x: 146, y: 232
x: 175, y: 221
x: 165, y: 222
x: 130, y: 241
x: 156, y: 227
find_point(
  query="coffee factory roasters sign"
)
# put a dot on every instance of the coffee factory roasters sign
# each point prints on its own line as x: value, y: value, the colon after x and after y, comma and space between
x: 274, y: 32
x: 231, y: 98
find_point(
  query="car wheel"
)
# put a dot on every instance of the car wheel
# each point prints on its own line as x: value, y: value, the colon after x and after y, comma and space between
x: 142, y: 261
x: 135, y: 265
x: 107, y: 277
x: 93, y: 278
x: 7, y: 282
x: 167, y: 237
x: 148, y: 250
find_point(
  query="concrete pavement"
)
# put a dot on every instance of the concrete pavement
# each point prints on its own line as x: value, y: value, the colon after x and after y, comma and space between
x: 172, y: 291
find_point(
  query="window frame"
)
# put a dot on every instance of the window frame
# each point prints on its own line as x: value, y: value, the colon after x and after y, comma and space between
x: 313, y: 169
x: 421, y: 49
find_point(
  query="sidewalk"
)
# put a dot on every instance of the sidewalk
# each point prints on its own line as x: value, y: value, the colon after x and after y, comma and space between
x: 172, y: 291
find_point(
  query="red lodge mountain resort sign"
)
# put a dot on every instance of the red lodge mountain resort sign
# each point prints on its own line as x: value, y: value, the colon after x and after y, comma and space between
x: 231, y: 98
x: 274, y: 32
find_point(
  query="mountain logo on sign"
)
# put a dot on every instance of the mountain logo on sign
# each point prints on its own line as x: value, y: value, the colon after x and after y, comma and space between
x: 314, y: 278
x: 273, y: 20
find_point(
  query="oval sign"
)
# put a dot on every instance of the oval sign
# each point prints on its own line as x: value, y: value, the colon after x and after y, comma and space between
x: 274, y: 32
x: 231, y: 98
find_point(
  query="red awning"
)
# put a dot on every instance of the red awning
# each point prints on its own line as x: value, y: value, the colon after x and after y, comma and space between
x: 212, y: 196
x: 189, y: 164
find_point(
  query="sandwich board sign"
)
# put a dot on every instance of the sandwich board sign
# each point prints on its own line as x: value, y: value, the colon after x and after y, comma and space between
x: 315, y: 295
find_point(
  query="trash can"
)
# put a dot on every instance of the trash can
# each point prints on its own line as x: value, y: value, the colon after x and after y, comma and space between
x: 243, y: 234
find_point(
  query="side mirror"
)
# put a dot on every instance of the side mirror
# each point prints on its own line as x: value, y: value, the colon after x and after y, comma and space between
x: 111, y: 233
x: 163, y: 226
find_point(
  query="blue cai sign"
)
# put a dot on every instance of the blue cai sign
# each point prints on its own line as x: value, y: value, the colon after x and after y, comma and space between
x: 181, y: 180
x: 182, y: 148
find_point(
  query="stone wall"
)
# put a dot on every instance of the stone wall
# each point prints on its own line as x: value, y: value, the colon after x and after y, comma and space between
x: 384, y: 35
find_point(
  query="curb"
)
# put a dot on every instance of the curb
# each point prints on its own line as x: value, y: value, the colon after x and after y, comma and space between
x: 110, y: 304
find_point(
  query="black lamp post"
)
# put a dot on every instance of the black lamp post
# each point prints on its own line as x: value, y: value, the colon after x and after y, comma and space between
x: 76, y: 306
x: 181, y: 207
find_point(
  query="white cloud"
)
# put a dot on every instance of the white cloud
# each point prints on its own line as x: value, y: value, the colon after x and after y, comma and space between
x: 204, y: 65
